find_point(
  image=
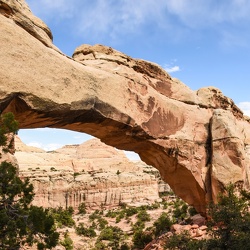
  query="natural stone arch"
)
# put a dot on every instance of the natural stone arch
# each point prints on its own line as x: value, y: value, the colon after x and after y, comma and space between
x: 198, y: 140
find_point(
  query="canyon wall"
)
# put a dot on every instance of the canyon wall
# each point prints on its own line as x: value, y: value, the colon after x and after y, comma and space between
x: 91, y: 173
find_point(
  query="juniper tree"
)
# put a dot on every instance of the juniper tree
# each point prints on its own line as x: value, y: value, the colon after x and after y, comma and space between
x: 20, y: 222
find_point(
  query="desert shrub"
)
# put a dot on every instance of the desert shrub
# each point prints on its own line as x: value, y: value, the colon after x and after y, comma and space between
x: 131, y: 211
x: 231, y: 218
x: 99, y: 245
x: 88, y: 232
x: 192, y: 211
x: 180, y: 209
x: 111, y: 214
x: 114, y: 235
x: 165, y: 204
x: 63, y: 217
x: 67, y: 242
x: 141, y: 238
x: 120, y: 215
x: 102, y: 223
x: 139, y: 225
x: 76, y: 174
x: 110, y: 233
x: 82, y: 208
x: 183, y: 241
x: 95, y: 215
x: 154, y: 206
x: 229, y: 225
x: 124, y: 246
x: 143, y: 216
x: 162, y: 224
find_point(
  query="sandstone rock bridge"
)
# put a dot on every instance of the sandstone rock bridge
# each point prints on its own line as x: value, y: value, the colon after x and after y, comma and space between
x: 199, y: 140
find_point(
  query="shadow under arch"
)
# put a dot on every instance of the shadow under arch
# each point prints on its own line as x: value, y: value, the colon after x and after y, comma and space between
x: 121, y: 133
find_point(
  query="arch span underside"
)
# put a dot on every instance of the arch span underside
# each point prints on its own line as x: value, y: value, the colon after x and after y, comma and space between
x: 120, y: 134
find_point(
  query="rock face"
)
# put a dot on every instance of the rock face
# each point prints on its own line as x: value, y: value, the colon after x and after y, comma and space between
x: 92, y: 172
x: 199, y: 140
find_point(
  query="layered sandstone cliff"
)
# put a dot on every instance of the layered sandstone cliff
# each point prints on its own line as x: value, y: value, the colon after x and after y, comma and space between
x: 92, y: 172
x: 198, y: 140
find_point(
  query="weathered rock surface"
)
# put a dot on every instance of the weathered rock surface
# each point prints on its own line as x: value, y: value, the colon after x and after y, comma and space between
x: 199, y: 140
x: 92, y: 172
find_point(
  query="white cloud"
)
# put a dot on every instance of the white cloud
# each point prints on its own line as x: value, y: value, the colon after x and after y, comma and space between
x: 77, y: 137
x: 57, y: 9
x: 196, y: 13
x: 132, y: 156
x: 46, y: 147
x: 35, y: 144
x: 114, y: 19
x: 245, y: 107
x: 172, y: 69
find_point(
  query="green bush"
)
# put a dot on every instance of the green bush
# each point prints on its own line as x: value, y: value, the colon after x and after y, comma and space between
x: 94, y: 216
x: 88, y: 232
x: 183, y: 241
x: 110, y: 233
x: 131, y: 211
x: 63, y: 217
x: 82, y: 208
x: 192, y: 211
x: 111, y: 214
x: 180, y: 209
x: 229, y: 225
x: 165, y: 204
x: 125, y: 246
x: 99, y: 245
x: 232, y: 218
x: 162, y: 224
x: 102, y: 223
x: 76, y: 174
x: 67, y: 242
x: 114, y: 235
x: 141, y: 238
x: 143, y: 216
x: 139, y: 225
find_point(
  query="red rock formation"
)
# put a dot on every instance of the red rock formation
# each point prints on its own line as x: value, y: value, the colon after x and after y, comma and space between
x: 199, y: 140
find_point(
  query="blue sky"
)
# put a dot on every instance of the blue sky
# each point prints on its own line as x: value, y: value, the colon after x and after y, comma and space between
x: 201, y: 42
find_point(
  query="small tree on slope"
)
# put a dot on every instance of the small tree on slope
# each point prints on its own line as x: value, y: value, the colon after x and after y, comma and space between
x: 229, y: 226
x: 20, y: 223
x: 231, y: 219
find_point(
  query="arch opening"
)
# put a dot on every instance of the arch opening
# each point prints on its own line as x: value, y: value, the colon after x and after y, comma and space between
x: 50, y: 139
x: 90, y: 172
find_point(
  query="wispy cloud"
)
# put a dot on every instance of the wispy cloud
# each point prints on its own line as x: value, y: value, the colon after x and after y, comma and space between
x: 115, y: 19
x: 57, y: 9
x: 132, y: 156
x: 172, y: 69
x: 46, y: 147
x: 245, y: 107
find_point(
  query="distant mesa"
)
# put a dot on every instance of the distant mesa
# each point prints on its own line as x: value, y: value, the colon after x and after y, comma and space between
x: 91, y: 173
